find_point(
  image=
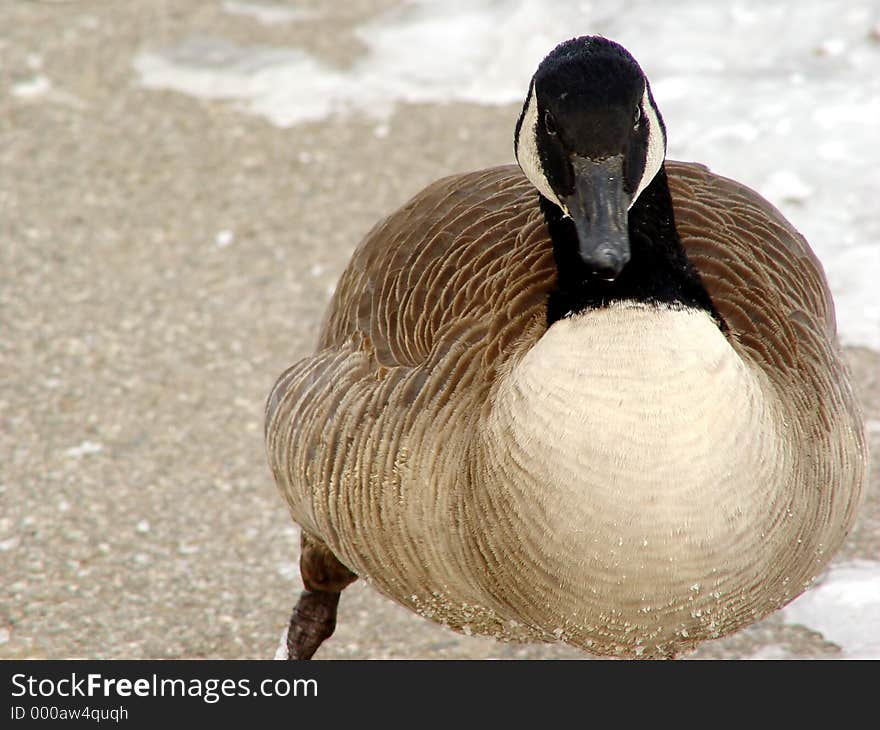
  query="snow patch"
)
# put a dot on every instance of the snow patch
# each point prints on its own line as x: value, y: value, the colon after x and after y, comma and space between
x: 37, y: 86
x: 9, y: 544
x: 288, y: 570
x: 281, y: 651
x: 224, y: 238
x: 86, y: 448
x: 769, y: 653
x: 267, y: 13
x: 785, y: 185
x: 843, y: 606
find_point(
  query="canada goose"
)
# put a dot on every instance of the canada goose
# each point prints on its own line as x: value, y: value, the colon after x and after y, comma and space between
x: 612, y: 414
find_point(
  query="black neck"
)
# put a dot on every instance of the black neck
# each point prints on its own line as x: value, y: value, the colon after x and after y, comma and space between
x: 658, y: 271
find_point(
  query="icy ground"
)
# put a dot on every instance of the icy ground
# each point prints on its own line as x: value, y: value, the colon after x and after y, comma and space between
x: 782, y: 96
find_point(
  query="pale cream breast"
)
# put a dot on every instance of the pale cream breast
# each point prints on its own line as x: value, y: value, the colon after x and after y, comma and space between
x: 641, y: 455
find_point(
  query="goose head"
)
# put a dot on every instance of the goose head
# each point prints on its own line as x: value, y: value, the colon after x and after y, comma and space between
x: 590, y: 139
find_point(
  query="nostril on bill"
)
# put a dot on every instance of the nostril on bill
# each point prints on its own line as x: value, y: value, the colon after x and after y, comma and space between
x: 608, y: 263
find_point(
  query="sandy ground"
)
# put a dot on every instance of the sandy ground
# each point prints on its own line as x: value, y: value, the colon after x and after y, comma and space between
x: 162, y: 259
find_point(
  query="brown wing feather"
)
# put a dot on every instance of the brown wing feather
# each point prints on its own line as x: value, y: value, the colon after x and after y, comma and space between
x: 473, y: 248
x: 771, y: 289
x: 469, y: 249
x: 442, y: 292
x: 758, y: 269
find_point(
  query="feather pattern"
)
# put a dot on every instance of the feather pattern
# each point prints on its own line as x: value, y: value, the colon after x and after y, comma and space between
x: 427, y: 445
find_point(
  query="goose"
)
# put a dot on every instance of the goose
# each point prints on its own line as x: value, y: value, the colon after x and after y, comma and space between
x: 595, y: 399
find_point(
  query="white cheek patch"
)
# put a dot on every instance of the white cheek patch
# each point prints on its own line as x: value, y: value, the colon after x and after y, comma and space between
x: 656, y: 145
x: 530, y: 162
x: 527, y: 150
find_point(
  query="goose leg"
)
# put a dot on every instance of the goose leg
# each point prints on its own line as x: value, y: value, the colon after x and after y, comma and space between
x: 313, y: 620
x: 314, y: 616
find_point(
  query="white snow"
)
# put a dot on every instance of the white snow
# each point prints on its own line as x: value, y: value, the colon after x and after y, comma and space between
x: 289, y: 570
x: 791, y: 114
x: 84, y: 449
x: 287, y: 86
x: 281, y: 649
x: 224, y: 238
x: 36, y: 86
x: 770, y: 652
x: 267, y: 13
x: 844, y: 606
x: 10, y: 543
x: 786, y: 186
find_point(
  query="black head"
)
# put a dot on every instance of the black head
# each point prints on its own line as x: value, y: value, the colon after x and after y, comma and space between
x: 591, y: 139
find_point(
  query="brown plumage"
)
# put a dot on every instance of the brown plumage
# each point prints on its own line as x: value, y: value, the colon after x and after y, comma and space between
x: 631, y: 479
x: 436, y: 303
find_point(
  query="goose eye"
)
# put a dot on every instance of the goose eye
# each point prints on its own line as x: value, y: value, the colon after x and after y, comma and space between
x: 550, y: 124
x: 637, y: 117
